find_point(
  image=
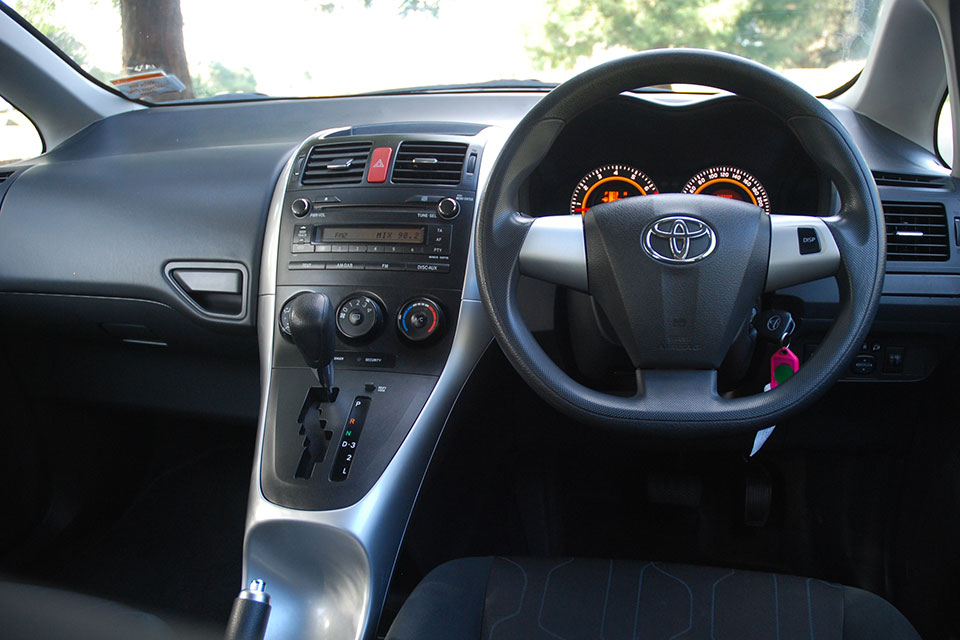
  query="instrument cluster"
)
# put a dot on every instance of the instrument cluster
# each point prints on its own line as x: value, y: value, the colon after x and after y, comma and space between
x: 632, y: 147
x: 612, y: 182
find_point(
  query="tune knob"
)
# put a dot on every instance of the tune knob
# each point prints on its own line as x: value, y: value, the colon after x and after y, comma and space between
x: 420, y: 319
x: 448, y: 208
x: 301, y: 207
x: 358, y: 317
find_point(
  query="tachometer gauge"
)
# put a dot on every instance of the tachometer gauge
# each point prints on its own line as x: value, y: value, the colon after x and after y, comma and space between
x: 729, y: 182
x: 608, y: 184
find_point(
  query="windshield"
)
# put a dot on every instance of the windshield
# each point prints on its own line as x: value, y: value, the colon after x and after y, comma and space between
x: 166, y: 50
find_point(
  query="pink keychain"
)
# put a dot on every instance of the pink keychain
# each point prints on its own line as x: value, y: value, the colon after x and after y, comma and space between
x: 783, y: 364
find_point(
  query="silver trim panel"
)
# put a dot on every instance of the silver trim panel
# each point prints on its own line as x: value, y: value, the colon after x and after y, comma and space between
x: 554, y: 251
x: 329, y: 571
x: 786, y: 266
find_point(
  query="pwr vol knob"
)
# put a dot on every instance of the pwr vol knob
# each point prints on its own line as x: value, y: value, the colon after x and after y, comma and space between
x: 420, y: 320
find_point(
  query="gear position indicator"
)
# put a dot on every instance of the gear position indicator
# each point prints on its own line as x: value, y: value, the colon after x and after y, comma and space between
x: 347, y: 449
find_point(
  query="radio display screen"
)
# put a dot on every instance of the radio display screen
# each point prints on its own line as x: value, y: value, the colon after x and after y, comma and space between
x: 389, y: 235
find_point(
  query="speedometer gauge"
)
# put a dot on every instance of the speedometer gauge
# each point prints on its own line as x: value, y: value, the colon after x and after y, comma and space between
x: 607, y: 184
x: 729, y: 182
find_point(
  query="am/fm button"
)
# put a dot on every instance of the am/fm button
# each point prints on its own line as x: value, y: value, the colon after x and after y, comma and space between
x: 379, y: 163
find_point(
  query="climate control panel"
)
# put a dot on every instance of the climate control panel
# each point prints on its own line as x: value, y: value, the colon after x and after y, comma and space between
x: 399, y: 329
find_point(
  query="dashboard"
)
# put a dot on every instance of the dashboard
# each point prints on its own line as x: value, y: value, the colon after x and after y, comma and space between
x: 140, y: 191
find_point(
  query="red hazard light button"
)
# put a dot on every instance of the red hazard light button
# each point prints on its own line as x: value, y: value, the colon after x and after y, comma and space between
x: 379, y: 163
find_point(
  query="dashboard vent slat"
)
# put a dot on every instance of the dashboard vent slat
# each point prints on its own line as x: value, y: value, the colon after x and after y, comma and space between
x: 908, y: 180
x: 338, y: 163
x: 4, y: 175
x: 916, y: 231
x: 429, y: 163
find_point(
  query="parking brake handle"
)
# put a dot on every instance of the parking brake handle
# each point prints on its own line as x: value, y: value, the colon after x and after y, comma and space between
x: 313, y: 330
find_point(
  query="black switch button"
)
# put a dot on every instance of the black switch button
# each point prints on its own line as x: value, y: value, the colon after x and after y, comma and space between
x: 893, y: 360
x: 864, y: 365
x: 347, y: 449
x: 808, y: 240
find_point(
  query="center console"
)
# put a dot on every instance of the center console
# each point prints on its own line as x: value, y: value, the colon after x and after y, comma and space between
x: 379, y: 220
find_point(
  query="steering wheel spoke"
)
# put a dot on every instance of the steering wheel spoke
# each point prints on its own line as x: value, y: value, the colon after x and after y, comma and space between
x: 682, y: 387
x: 554, y: 251
x: 802, y: 249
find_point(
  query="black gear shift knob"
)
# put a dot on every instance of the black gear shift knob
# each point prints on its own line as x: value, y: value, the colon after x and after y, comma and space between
x: 313, y: 330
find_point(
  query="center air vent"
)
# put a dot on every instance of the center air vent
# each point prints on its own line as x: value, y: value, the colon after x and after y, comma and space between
x: 916, y: 231
x: 429, y: 163
x: 340, y: 163
x: 4, y: 175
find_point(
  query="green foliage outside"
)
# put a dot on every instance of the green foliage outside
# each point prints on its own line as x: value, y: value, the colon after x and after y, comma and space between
x: 405, y: 6
x: 40, y: 14
x: 780, y: 33
x: 219, y: 79
x: 216, y: 80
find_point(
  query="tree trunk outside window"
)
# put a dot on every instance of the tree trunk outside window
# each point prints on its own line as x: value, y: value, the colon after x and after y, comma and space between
x: 153, y: 35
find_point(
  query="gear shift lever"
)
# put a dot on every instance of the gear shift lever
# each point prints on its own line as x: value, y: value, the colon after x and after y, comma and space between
x: 313, y: 330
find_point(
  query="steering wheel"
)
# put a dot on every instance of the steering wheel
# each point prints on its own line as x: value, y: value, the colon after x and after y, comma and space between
x: 677, y: 275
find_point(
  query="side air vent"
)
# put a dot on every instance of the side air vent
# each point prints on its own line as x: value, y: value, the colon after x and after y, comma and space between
x: 907, y: 180
x: 340, y: 163
x: 916, y: 231
x: 429, y: 163
x: 4, y: 175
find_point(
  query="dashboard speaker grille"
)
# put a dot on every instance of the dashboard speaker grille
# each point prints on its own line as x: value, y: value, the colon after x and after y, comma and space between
x: 908, y: 180
x: 916, y: 231
x: 429, y: 163
x: 339, y: 163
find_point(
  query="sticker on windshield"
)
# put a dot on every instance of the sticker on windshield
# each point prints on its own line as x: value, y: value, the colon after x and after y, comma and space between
x: 149, y: 83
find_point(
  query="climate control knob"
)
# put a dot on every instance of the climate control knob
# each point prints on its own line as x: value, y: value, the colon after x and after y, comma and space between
x: 420, y: 319
x: 358, y: 317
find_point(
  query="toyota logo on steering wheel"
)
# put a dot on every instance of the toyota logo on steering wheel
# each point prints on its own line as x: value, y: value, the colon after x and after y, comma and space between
x: 679, y: 240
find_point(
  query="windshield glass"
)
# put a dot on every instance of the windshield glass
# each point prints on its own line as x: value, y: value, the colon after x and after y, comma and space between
x: 165, y: 50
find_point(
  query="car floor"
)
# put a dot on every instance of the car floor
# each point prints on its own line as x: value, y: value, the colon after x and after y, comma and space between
x: 140, y: 508
x: 864, y: 490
